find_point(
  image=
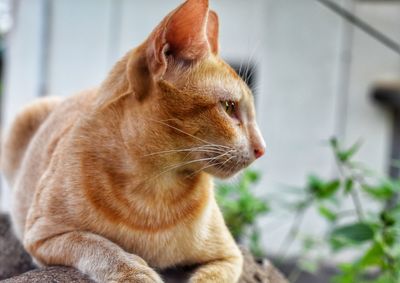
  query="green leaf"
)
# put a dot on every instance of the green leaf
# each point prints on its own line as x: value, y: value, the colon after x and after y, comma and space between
x: 334, y: 143
x: 321, y: 189
x: 384, y: 191
x: 383, y: 277
x: 372, y: 257
x: 327, y: 213
x: 348, y: 186
x: 252, y: 176
x: 348, y: 274
x: 350, y: 235
x: 388, y: 218
x: 345, y: 155
x: 331, y: 188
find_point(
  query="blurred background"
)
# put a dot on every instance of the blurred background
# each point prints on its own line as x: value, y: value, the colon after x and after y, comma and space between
x: 315, y: 74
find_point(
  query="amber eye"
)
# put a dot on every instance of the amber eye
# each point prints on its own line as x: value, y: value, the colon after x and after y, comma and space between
x: 230, y: 107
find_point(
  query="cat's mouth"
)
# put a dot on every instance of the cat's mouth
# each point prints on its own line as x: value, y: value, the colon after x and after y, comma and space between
x: 226, y: 166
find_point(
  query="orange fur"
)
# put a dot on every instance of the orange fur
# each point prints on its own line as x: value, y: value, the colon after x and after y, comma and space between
x: 116, y: 181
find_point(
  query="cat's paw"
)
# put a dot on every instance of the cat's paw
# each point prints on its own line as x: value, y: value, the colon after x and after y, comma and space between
x: 211, y: 277
x: 140, y: 274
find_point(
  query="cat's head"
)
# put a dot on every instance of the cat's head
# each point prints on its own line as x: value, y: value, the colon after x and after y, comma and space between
x: 200, y: 112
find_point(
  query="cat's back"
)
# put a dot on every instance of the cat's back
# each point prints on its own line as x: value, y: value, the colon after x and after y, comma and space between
x: 38, y: 129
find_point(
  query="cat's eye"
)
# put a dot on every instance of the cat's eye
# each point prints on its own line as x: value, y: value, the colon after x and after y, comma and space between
x: 230, y: 107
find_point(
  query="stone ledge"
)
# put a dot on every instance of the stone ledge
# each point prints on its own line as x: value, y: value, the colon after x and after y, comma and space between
x: 16, y: 265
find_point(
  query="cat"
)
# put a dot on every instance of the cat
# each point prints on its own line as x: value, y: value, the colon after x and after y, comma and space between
x: 117, y: 181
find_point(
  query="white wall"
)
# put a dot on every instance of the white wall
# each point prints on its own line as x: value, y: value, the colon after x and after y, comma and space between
x: 320, y: 70
x: 299, y: 48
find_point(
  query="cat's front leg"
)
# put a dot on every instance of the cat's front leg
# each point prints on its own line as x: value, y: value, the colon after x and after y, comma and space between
x: 226, y: 270
x: 92, y: 254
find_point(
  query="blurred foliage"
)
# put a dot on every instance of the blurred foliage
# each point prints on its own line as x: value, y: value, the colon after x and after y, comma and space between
x: 371, y: 234
x: 241, y: 208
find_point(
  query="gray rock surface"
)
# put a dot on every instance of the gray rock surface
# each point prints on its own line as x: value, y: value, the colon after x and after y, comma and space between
x: 16, y: 266
x: 50, y: 274
x: 13, y: 258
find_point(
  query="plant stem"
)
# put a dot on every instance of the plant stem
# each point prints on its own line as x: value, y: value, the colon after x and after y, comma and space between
x: 294, y: 275
x: 292, y: 234
x: 357, y: 204
x: 354, y: 194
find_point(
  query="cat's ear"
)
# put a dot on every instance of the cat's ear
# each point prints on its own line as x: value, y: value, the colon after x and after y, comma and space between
x: 213, y: 31
x: 188, y: 34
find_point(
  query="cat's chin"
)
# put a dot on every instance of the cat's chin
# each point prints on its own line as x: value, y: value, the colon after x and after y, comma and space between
x: 221, y: 173
x: 226, y: 170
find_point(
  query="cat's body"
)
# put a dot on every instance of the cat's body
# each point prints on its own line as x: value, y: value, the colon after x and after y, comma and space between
x: 167, y: 240
x: 115, y: 179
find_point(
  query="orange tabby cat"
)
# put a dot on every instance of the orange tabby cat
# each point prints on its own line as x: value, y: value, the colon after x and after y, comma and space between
x: 116, y: 181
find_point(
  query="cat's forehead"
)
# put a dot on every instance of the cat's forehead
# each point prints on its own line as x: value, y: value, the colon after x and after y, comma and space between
x: 219, y: 78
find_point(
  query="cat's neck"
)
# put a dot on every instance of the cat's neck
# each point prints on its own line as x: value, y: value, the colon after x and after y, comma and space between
x: 124, y: 186
x: 128, y: 182
x: 143, y: 155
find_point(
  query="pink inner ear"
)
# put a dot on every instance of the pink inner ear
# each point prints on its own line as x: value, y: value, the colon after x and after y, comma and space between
x: 212, y: 31
x: 186, y: 30
x: 188, y: 33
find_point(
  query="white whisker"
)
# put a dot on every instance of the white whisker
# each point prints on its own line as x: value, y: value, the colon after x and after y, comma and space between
x: 193, y: 149
x: 175, y: 166
x: 219, y: 164
x: 199, y: 160
x: 183, y: 132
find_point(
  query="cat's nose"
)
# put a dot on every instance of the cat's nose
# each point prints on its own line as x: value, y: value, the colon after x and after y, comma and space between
x: 258, y: 152
x: 257, y: 142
